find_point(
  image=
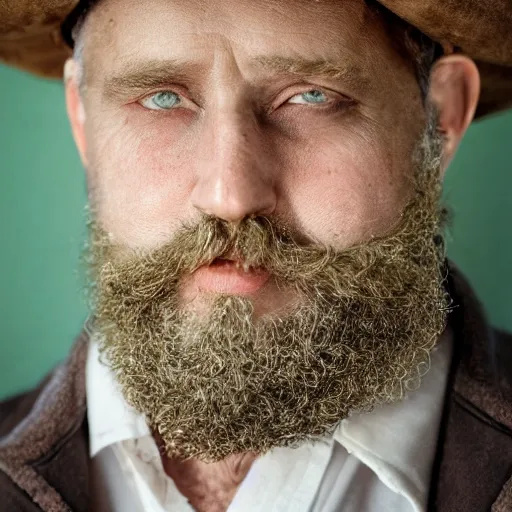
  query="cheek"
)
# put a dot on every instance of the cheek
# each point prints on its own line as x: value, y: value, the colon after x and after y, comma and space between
x: 142, y: 177
x: 343, y: 194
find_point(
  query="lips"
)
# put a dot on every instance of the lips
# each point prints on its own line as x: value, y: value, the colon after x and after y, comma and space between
x: 229, y: 276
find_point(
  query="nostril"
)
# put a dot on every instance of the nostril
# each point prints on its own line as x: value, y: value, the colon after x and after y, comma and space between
x: 218, y: 262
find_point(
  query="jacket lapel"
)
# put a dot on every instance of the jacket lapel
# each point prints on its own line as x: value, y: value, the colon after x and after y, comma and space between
x: 46, y: 453
x: 474, y: 454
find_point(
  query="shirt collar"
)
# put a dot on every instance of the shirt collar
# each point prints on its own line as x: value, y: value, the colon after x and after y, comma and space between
x: 110, y: 418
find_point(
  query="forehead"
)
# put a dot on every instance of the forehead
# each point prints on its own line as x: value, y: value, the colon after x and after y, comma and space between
x: 206, y: 31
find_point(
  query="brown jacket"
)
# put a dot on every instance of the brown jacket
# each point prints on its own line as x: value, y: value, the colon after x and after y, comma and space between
x: 44, y: 441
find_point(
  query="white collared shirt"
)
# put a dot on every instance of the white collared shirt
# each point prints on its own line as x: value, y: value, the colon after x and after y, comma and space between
x: 376, y: 462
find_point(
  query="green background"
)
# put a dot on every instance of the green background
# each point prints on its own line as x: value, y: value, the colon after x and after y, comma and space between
x: 42, y: 199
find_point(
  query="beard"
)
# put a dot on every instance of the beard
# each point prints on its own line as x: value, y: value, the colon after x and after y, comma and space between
x: 226, y: 382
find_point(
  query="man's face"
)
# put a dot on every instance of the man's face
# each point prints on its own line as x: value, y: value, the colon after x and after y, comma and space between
x: 278, y: 135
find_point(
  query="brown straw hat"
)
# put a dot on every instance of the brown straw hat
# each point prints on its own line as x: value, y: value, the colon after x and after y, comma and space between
x: 31, y: 37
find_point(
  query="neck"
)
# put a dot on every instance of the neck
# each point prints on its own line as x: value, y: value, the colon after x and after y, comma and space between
x: 209, y: 487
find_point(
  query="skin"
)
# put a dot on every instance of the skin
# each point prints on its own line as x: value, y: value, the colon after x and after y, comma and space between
x: 243, y: 141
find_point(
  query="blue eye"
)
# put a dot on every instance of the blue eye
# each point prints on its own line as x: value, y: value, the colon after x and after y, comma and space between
x: 309, y: 97
x: 164, y: 100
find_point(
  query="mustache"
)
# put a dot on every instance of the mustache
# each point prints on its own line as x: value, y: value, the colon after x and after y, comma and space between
x: 254, y: 241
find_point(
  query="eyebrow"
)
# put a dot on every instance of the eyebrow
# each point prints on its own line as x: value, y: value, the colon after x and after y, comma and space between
x: 141, y: 76
x: 349, y: 73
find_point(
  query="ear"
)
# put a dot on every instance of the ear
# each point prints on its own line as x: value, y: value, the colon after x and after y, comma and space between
x: 454, y: 90
x: 75, y: 107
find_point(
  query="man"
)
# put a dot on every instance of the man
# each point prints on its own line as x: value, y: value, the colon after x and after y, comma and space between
x: 274, y: 325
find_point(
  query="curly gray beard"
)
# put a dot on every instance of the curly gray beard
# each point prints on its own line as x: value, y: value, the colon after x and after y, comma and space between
x: 227, y: 382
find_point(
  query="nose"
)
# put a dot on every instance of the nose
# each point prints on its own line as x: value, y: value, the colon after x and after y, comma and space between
x: 235, y: 177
